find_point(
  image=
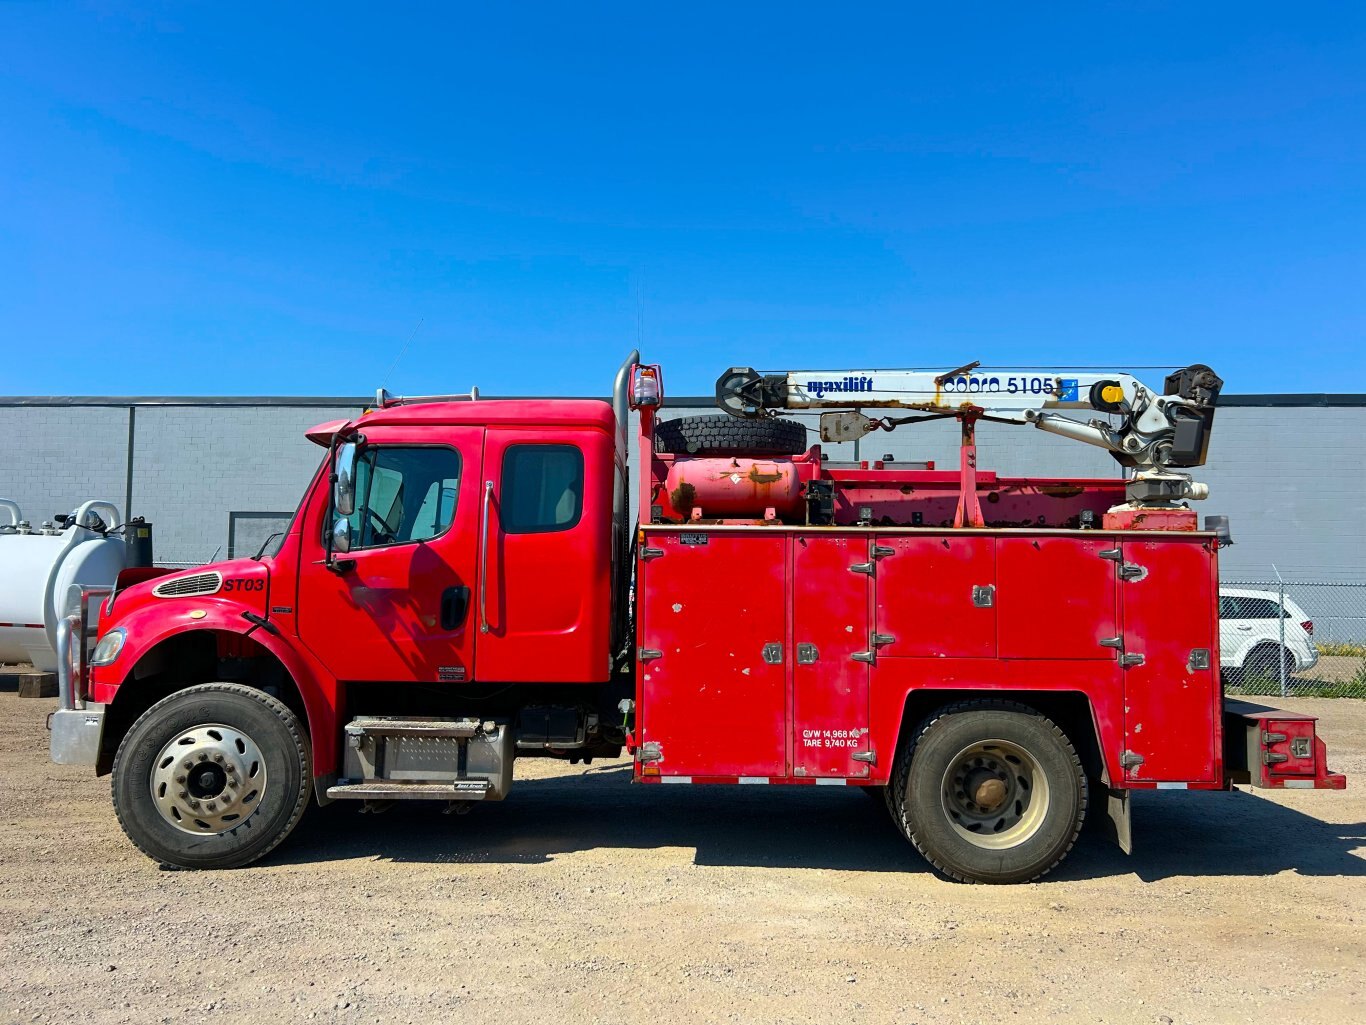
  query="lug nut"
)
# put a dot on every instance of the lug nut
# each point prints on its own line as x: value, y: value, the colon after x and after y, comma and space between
x: 218, y: 759
x: 180, y: 779
x: 211, y: 806
x: 203, y: 757
x: 188, y: 763
x: 183, y: 795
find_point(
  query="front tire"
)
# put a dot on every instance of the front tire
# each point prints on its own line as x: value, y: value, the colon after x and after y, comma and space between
x: 989, y: 792
x: 214, y: 776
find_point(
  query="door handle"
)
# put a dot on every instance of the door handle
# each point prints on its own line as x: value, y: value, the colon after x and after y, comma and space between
x: 1245, y: 629
x: 484, y: 558
x: 455, y: 605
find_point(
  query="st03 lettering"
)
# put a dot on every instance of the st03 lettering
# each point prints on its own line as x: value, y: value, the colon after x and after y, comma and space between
x: 244, y: 585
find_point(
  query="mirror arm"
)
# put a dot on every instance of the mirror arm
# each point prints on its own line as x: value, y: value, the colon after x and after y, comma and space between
x: 329, y: 558
x: 331, y: 498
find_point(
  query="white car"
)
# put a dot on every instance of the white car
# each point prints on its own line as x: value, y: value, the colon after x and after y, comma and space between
x: 1250, y: 634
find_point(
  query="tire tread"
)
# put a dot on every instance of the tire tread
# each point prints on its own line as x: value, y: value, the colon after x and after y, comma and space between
x: 281, y: 711
x: 896, y: 791
x: 725, y: 435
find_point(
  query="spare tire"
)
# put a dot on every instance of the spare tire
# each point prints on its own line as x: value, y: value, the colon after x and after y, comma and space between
x: 725, y: 435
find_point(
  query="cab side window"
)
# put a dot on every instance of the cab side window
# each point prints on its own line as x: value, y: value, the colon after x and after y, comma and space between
x: 403, y: 494
x: 542, y: 488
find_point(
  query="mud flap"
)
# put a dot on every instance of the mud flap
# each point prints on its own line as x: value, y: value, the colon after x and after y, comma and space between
x: 1119, y: 825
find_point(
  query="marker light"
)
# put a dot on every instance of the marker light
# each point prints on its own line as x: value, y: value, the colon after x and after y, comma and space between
x: 647, y: 387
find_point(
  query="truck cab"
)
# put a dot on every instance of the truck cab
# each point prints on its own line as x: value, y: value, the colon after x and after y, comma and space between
x: 473, y: 547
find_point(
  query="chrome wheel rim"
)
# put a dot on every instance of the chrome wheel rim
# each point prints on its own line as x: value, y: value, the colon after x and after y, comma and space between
x: 995, y: 795
x: 208, y: 779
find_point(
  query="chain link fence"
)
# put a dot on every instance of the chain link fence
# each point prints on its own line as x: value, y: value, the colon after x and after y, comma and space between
x: 1295, y: 637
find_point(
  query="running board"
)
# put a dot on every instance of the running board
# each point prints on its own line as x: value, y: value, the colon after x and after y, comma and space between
x: 422, y: 758
x: 410, y: 790
x: 406, y: 726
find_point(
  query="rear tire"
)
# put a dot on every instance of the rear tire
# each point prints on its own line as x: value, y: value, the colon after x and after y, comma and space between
x: 989, y: 792
x: 725, y: 435
x: 213, y: 776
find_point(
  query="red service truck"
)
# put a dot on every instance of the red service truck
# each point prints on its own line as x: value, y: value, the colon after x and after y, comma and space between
x: 465, y: 584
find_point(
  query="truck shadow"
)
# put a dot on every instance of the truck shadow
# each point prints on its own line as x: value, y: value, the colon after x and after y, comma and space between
x: 1177, y: 834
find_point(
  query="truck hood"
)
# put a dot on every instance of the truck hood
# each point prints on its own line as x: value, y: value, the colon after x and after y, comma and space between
x: 244, y: 583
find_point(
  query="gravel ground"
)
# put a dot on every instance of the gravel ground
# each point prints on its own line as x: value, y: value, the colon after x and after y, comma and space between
x: 586, y: 899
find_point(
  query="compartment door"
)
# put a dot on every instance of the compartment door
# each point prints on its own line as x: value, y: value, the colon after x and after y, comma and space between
x: 1169, y: 613
x: 1056, y: 598
x: 936, y: 596
x: 714, y: 698
x: 829, y: 686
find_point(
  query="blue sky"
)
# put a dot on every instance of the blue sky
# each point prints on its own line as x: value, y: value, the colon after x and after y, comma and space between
x: 239, y: 199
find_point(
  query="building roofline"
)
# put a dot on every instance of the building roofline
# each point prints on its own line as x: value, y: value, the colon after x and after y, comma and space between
x: 1268, y: 400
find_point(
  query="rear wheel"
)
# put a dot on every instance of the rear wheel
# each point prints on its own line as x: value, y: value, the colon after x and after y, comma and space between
x: 990, y: 792
x: 213, y: 776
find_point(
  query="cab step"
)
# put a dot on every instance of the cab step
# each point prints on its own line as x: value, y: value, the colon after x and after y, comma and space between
x: 423, y: 758
x: 410, y: 726
x: 410, y: 790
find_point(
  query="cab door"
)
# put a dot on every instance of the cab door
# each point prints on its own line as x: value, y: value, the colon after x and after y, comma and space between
x: 544, y: 614
x: 397, y: 606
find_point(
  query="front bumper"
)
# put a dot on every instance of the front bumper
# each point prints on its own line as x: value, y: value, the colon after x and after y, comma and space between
x: 76, y: 734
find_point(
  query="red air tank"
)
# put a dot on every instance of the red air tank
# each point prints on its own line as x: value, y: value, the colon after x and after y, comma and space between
x: 734, y: 486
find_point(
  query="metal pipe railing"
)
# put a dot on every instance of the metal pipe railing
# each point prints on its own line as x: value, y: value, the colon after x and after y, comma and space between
x: 621, y: 494
x: 72, y: 640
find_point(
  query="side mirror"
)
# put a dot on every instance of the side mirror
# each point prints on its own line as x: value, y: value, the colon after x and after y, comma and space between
x: 344, y: 490
x: 341, y: 535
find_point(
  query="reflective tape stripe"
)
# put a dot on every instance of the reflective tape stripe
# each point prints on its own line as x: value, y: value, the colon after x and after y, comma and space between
x: 1173, y: 786
x: 831, y: 782
x: 1299, y: 784
x: 675, y: 779
x: 753, y: 779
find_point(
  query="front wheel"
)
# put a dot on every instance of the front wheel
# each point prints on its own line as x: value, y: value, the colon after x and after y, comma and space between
x: 990, y: 792
x: 214, y: 776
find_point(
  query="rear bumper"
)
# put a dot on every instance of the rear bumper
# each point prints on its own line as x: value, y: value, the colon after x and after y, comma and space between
x: 1275, y: 750
x: 76, y: 734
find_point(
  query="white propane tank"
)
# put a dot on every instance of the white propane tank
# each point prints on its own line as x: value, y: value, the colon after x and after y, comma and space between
x: 38, y: 568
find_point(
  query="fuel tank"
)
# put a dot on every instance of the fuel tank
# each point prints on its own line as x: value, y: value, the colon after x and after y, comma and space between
x: 38, y: 568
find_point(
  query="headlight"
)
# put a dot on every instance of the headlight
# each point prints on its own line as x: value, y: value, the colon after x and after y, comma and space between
x: 109, y: 647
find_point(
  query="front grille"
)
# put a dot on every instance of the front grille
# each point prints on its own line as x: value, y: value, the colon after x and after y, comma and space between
x: 192, y: 586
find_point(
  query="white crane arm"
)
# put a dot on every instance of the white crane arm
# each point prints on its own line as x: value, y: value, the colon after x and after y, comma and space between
x: 1153, y: 431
